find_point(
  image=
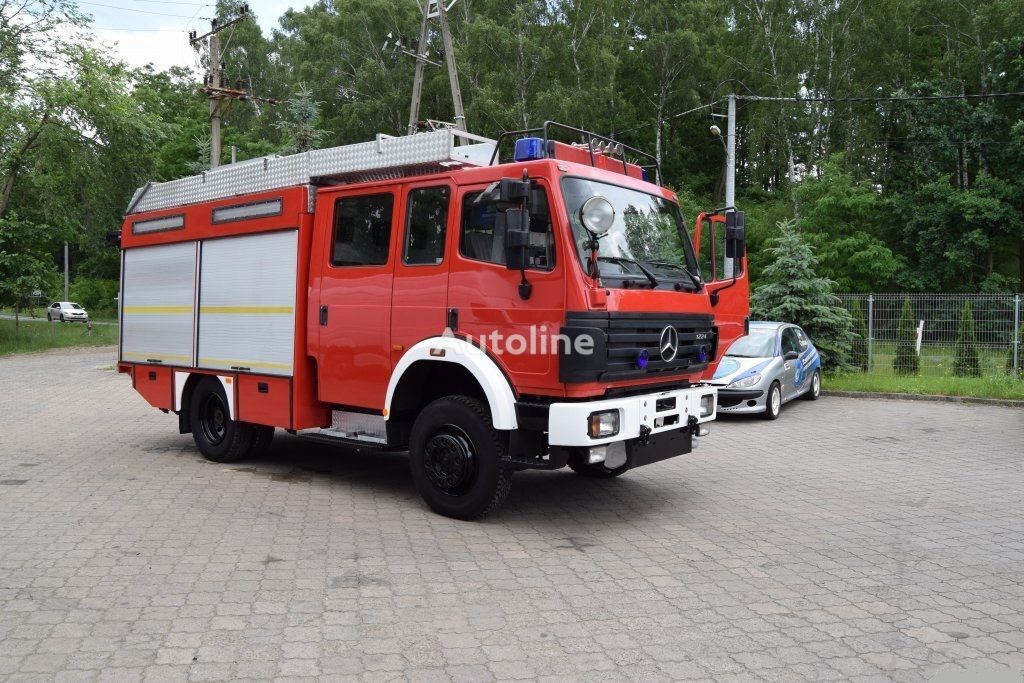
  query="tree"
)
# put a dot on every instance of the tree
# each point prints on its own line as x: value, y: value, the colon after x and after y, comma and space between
x: 25, y: 264
x: 859, y: 345
x: 792, y: 292
x: 300, y: 129
x: 966, y: 362
x: 906, y: 362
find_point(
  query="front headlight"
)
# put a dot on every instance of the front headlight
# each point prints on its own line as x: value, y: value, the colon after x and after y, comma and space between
x: 745, y: 382
x: 603, y: 423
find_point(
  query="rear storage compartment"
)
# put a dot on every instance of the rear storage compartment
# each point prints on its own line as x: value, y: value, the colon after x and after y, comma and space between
x: 158, y: 304
x: 155, y: 385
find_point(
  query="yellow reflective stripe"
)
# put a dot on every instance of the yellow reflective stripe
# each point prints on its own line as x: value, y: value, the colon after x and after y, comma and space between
x: 248, y: 310
x: 156, y: 356
x: 244, y: 363
x: 157, y: 310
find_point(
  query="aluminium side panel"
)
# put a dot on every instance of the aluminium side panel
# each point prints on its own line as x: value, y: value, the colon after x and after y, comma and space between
x: 157, y: 304
x: 247, y: 303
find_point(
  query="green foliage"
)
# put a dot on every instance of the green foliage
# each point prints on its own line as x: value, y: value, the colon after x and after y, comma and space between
x: 988, y: 386
x: 791, y: 291
x: 300, y: 129
x: 859, y: 345
x: 966, y: 363
x: 906, y: 361
x: 98, y: 296
x: 25, y: 265
x: 38, y: 335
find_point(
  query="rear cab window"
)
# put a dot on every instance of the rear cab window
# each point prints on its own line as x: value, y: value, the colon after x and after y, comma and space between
x: 362, y: 230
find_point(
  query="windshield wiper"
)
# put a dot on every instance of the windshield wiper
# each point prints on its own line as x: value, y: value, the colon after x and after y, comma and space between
x: 623, y: 259
x: 668, y: 264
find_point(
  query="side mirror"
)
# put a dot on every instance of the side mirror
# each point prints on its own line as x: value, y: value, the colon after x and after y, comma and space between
x: 735, y: 235
x: 790, y: 355
x: 517, y: 237
x: 506, y: 191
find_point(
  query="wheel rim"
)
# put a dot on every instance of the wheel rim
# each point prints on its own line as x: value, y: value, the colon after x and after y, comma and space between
x: 449, y: 460
x: 776, y: 400
x: 816, y: 384
x: 214, y: 419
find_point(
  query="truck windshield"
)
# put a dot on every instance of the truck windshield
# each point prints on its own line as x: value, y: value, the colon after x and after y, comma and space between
x: 645, y: 235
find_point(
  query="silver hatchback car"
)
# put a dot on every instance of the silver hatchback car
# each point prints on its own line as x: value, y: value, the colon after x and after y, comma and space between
x: 66, y: 311
x: 773, y: 364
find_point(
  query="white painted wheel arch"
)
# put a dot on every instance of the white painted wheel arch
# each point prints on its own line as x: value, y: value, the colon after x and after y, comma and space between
x: 500, y: 397
x: 226, y: 381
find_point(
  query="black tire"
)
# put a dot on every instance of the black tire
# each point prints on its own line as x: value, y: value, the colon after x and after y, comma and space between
x: 457, y: 458
x: 578, y: 464
x: 49, y: 318
x: 217, y: 436
x: 773, y: 402
x: 814, y: 392
x: 62, y: 317
x: 263, y: 436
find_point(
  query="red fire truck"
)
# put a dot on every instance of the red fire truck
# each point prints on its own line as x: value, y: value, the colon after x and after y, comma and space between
x: 422, y: 293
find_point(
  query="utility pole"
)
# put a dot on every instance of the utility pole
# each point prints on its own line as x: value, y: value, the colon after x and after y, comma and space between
x: 432, y: 8
x: 221, y: 97
x: 730, y: 155
x: 66, y: 271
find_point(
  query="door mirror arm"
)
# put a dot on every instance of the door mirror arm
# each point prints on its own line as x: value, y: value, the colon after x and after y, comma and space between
x: 517, y: 227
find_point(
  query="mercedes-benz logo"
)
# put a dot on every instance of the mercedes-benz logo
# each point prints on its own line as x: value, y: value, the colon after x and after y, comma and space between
x: 668, y: 345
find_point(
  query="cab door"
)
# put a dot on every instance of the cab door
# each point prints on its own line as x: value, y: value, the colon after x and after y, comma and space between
x: 420, y: 293
x: 721, y: 252
x: 792, y: 368
x: 355, y: 289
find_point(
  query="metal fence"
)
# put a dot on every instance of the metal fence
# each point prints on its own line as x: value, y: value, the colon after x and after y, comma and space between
x: 936, y: 318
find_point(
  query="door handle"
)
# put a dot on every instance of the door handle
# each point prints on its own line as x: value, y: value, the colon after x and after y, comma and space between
x: 323, y: 315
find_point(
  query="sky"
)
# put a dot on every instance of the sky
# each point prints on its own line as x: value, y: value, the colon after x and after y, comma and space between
x: 156, y: 31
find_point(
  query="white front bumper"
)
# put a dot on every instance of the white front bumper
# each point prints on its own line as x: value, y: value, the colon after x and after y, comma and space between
x: 567, y: 422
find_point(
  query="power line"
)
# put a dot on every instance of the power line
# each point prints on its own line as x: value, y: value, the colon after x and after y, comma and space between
x: 669, y: 118
x: 141, y: 11
x: 879, y: 98
x: 140, y: 30
x: 175, y: 2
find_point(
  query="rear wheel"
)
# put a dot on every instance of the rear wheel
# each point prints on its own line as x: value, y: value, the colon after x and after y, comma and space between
x: 814, y: 391
x: 773, y: 403
x: 457, y: 458
x: 217, y: 436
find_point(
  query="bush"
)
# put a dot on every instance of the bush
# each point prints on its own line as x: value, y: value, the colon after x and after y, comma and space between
x: 966, y: 363
x: 859, y: 345
x: 906, y: 361
x: 95, y: 295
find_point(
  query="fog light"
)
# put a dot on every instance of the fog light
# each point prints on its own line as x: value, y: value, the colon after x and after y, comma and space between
x: 703, y: 429
x: 597, y: 454
x: 603, y: 423
x: 707, y: 404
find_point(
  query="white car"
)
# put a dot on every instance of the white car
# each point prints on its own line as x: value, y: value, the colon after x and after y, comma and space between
x: 66, y: 312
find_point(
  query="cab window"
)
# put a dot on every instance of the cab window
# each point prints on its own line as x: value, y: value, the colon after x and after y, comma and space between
x: 362, y: 230
x: 426, y: 221
x: 482, y: 240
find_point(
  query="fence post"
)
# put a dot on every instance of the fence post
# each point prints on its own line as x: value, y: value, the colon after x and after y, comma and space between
x: 1016, y: 335
x: 871, y: 328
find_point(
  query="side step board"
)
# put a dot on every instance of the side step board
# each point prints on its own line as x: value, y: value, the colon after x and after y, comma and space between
x: 349, y: 426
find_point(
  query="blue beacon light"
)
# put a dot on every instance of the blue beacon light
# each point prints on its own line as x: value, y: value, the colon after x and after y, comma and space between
x: 529, y: 149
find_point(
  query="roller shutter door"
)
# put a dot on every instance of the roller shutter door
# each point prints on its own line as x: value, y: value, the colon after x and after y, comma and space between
x: 247, y: 303
x: 157, y: 307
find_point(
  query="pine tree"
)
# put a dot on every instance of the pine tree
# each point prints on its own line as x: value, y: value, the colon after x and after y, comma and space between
x: 859, y: 345
x: 300, y: 131
x: 906, y: 362
x: 792, y: 292
x: 966, y: 363
x: 1020, y: 356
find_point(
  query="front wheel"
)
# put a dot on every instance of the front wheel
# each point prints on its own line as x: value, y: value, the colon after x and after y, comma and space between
x: 457, y: 458
x: 218, y: 437
x: 814, y: 392
x: 62, y: 317
x: 773, y: 404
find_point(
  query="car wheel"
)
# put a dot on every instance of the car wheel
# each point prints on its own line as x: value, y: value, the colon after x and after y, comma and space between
x: 814, y: 392
x: 578, y: 464
x: 217, y: 436
x: 457, y: 458
x: 773, y: 403
x: 49, y: 318
x: 62, y: 317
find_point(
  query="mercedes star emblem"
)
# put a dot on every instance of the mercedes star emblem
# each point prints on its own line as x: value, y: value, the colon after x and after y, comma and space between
x: 668, y: 346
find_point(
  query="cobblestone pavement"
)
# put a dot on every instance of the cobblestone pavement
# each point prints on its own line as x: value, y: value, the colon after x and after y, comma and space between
x: 850, y: 539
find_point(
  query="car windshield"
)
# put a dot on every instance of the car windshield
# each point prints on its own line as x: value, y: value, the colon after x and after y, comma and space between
x: 645, y: 235
x: 757, y: 344
x: 75, y: 306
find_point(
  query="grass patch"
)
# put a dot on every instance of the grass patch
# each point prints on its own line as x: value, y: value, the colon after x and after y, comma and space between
x: 40, y: 335
x: 988, y: 386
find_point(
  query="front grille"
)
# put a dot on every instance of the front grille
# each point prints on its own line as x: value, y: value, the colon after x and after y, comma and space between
x: 622, y: 338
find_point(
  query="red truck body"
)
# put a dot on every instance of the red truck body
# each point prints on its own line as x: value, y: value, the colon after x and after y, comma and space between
x: 345, y: 308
